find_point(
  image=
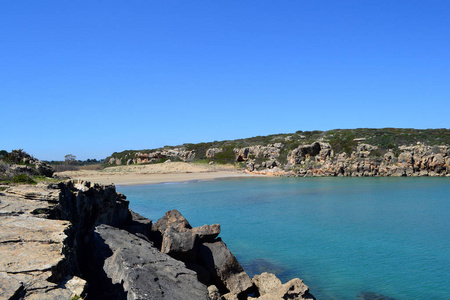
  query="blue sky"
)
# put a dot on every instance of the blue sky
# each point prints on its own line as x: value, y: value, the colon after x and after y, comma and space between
x: 94, y: 77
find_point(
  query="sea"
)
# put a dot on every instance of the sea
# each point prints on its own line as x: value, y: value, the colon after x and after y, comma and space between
x: 347, y: 238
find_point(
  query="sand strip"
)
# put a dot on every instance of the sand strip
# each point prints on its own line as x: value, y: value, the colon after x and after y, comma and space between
x: 156, y: 173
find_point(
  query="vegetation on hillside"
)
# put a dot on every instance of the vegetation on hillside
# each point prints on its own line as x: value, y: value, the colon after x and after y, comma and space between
x: 70, y: 163
x: 9, y: 175
x: 341, y: 140
x: 17, y: 167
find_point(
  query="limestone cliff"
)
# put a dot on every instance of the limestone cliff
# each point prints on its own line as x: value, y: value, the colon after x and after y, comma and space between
x: 349, y: 152
x: 319, y: 159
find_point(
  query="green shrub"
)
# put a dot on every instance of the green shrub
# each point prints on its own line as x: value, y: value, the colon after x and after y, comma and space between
x: 377, y: 153
x: 3, y: 153
x: 227, y: 156
x: 23, y: 178
x: 343, y: 141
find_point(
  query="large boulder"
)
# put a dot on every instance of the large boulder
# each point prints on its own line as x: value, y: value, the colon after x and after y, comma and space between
x: 304, y: 151
x: 406, y: 157
x: 210, y: 153
x: 178, y: 238
x: 139, y: 225
x: 226, y: 270
x: 44, y: 169
x: 207, y: 233
x: 438, y: 162
x: 125, y: 266
x: 180, y: 245
x: 172, y: 219
x: 267, y: 283
x: 270, y: 288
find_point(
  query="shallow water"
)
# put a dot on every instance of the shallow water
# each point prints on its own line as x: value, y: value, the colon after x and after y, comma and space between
x: 342, y: 236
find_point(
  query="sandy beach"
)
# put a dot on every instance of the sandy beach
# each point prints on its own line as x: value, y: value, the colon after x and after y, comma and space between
x: 156, y: 173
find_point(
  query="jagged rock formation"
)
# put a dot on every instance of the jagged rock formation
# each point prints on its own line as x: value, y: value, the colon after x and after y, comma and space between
x: 267, y: 152
x: 126, y: 266
x: 319, y: 159
x: 154, y: 156
x: 23, y: 163
x: 33, y: 248
x: 270, y: 287
x: 210, y: 153
x: 347, y: 152
x: 60, y: 241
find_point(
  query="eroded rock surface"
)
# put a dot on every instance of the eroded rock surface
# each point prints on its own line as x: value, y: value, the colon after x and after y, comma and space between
x: 225, y: 268
x: 270, y: 287
x: 32, y: 261
x: 58, y: 241
x: 142, y: 270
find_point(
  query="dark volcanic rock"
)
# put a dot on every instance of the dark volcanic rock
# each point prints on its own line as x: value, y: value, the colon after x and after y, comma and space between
x: 127, y: 267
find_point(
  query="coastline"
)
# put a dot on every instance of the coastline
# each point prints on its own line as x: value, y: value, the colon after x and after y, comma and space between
x: 156, y: 173
x: 77, y: 240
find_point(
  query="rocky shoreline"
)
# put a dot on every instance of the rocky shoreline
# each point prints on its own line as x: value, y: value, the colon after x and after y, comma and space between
x: 317, y: 159
x: 75, y: 240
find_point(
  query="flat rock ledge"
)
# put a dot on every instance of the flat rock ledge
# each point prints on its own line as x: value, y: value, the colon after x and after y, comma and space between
x: 77, y: 240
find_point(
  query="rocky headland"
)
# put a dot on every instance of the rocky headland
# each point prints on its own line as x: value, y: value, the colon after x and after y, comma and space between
x: 356, y: 153
x: 72, y: 240
x: 319, y: 159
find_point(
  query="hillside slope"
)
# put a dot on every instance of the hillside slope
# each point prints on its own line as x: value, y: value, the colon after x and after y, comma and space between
x: 339, y: 152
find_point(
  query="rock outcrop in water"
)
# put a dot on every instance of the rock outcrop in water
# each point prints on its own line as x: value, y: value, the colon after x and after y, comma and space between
x: 60, y: 241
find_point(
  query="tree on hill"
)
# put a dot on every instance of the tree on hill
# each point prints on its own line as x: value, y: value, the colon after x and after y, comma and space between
x: 70, y: 159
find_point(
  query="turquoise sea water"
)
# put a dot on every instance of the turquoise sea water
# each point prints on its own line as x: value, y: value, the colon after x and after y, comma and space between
x: 342, y: 236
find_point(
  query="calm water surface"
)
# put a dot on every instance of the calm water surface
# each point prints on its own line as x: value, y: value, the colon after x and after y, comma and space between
x: 343, y: 236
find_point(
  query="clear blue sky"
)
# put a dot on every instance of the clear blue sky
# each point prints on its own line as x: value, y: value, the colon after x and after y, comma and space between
x: 94, y: 77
